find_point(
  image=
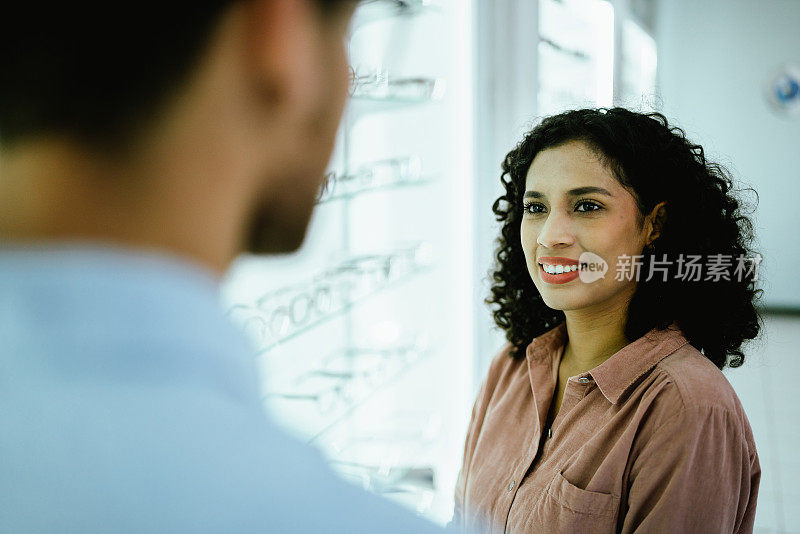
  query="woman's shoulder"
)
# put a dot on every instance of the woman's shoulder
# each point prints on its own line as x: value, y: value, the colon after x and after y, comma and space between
x: 688, y: 396
x: 504, y: 370
x: 689, y: 384
x: 697, y: 381
x: 502, y: 362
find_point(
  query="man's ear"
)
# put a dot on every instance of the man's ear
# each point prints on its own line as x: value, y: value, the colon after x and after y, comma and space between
x: 282, y: 49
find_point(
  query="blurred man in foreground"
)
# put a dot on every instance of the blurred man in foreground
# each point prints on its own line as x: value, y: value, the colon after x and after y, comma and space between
x: 140, y: 153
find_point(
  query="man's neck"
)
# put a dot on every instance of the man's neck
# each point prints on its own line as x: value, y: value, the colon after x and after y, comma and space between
x: 54, y: 192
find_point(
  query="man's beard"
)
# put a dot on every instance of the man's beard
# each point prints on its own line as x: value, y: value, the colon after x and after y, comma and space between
x: 277, y: 231
x: 281, y: 218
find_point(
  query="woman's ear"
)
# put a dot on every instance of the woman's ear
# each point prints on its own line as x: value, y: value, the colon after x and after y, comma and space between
x: 656, y: 219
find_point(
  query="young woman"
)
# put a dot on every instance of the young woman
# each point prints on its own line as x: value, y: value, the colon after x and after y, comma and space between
x: 624, y: 282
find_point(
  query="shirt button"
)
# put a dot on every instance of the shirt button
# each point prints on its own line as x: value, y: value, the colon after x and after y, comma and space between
x: 549, y: 432
x: 511, y: 485
x: 584, y: 380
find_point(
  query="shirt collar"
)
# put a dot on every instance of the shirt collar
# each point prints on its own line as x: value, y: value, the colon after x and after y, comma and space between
x: 615, y: 375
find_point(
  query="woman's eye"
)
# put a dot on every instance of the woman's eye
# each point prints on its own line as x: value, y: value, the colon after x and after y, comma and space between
x: 595, y: 207
x: 535, y: 207
x: 532, y: 207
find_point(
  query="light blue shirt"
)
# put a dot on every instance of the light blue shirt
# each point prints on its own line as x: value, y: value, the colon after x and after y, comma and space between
x: 129, y: 403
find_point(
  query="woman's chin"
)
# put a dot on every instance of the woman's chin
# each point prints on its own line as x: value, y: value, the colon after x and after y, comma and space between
x: 562, y: 302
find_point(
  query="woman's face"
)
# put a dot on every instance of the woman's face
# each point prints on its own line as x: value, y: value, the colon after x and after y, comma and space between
x: 559, y: 220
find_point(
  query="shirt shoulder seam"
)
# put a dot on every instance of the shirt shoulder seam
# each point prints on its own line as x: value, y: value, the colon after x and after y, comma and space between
x: 703, y: 409
x: 682, y: 395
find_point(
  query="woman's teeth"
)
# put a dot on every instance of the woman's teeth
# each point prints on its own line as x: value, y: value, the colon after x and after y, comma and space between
x: 559, y: 269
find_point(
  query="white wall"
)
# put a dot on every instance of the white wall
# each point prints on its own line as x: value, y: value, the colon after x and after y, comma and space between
x: 715, y: 57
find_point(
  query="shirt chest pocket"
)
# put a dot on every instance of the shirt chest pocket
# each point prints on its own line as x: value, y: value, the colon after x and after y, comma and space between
x: 568, y: 506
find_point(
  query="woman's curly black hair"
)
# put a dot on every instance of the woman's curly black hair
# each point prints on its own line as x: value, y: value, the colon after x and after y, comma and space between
x: 655, y: 162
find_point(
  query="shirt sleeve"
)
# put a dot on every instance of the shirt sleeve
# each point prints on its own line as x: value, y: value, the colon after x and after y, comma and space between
x: 695, y: 473
x: 473, y: 431
x: 457, y: 522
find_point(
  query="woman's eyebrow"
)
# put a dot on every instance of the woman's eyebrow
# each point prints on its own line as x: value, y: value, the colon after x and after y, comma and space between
x: 572, y: 192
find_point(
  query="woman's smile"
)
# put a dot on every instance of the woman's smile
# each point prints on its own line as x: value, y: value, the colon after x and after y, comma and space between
x: 558, y: 270
x: 559, y: 274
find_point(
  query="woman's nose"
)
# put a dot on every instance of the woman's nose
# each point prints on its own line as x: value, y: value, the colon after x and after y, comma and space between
x: 555, y: 233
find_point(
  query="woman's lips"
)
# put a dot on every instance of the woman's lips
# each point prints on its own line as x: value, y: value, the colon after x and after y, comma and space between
x: 562, y: 278
x: 557, y: 260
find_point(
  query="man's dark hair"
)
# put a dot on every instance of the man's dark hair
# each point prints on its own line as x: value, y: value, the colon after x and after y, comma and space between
x: 97, y: 72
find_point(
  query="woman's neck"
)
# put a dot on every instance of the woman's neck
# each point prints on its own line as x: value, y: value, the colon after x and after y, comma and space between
x: 592, y: 338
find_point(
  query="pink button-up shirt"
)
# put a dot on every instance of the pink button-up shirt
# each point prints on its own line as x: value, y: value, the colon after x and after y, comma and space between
x: 654, y: 439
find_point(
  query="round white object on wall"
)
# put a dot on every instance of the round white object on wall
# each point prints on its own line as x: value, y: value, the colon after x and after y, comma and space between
x: 783, y: 89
